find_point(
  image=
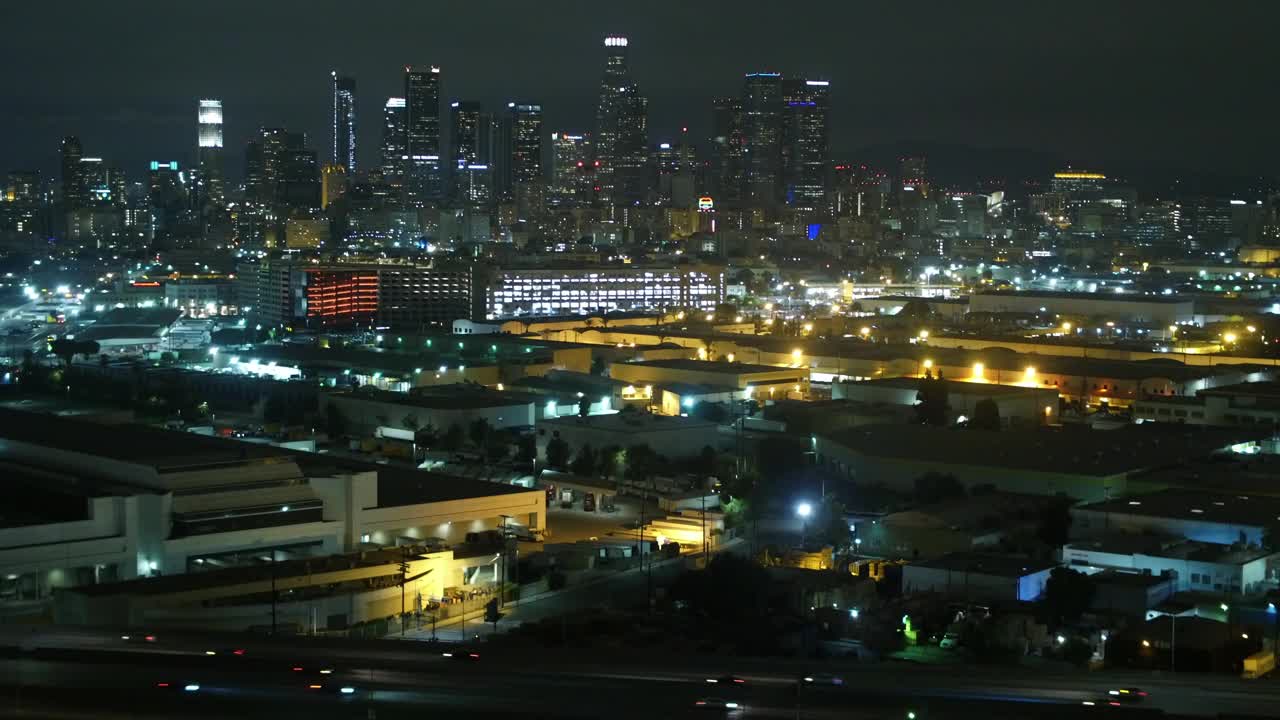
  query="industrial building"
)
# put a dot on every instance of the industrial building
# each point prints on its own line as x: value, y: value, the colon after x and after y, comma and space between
x: 1018, y: 405
x: 90, y: 503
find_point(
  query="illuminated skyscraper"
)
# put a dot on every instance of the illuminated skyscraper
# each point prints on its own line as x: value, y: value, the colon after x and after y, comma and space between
x: 394, y: 152
x: 473, y: 134
x: 344, y: 122
x: 805, y: 146
x: 728, y: 146
x: 73, y: 185
x: 422, y: 123
x: 571, y: 169
x: 210, y: 188
x: 528, y: 183
x: 762, y: 129
x: 621, y: 138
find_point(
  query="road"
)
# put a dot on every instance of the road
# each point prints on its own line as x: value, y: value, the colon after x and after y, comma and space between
x: 60, y: 672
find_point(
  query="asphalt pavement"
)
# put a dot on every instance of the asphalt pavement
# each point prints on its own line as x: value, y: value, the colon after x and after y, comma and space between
x: 69, y: 672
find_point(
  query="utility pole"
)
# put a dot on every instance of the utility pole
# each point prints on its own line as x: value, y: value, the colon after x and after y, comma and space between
x: 404, y: 574
x: 273, y: 593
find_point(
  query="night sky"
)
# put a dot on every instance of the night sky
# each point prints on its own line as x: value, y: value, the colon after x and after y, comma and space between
x: 1106, y: 84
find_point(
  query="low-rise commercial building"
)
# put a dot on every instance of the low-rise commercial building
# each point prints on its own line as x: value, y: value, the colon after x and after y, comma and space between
x: 1193, y: 514
x: 1194, y: 565
x: 674, y: 437
x: 1085, y: 464
x: 1250, y: 403
x: 1145, y: 309
x: 979, y: 577
x: 963, y: 525
x: 760, y: 382
x: 1026, y: 406
x: 368, y: 411
x: 91, y: 503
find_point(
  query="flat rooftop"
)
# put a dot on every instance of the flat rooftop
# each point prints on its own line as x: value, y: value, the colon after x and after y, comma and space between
x: 629, y: 422
x: 717, y: 366
x: 1011, y: 566
x: 460, y: 399
x: 1169, y: 547
x: 1101, y: 297
x: 1078, y: 451
x: 953, y: 388
x: 1197, y: 505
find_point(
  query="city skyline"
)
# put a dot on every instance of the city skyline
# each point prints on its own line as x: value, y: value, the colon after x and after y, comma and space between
x: 1075, y: 97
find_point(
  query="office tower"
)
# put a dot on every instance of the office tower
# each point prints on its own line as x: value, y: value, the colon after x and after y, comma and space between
x: 394, y: 132
x: 211, y: 187
x: 422, y: 133
x: 333, y: 183
x: 166, y: 196
x: 528, y: 184
x: 472, y: 150
x: 914, y: 172
x: 762, y: 129
x: 728, y: 152
x: 344, y: 122
x: 621, y: 137
x: 73, y: 186
x: 674, y: 165
x: 570, y: 175
x: 805, y: 146
x: 279, y: 169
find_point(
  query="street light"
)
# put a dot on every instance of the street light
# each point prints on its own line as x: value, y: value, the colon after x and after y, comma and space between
x: 804, y: 509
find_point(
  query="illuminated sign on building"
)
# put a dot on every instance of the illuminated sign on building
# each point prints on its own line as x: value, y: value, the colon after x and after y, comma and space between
x: 706, y: 204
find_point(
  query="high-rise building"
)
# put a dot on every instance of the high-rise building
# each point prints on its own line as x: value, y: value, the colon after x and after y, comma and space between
x: 344, y: 122
x: 762, y: 129
x: 528, y: 183
x: 333, y: 183
x: 570, y: 176
x: 166, y: 196
x: 211, y: 187
x: 805, y: 146
x: 422, y: 125
x: 621, y: 137
x: 73, y: 185
x: 394, y: 135
x: 728, y: 152
x: 279, y: 169
x: 472, y: 154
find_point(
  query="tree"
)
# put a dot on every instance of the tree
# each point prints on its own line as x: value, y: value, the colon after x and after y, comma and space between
x: 1067, y: 595
x: 496, y: 447
x: 103, y: 360
x: 273, y: 409
x: 479, y: 432
x: 932, y: 406
x: 610, y: 461
x: 642, y: 463
x: 933, y: 487
x: 335, y: 422
x: 705, y: 462
x: 711, y: 412
x: 453, y: 438
x: 409, y: 422
x: 1054, y: 528
x: 598, y: 366
x: 584, y: 406
x: 584, y: 463
x: 986, y: 415
x: 526, y: 449
x: 830, y: 526
x: 557, y: 452
x: 1271, y: 538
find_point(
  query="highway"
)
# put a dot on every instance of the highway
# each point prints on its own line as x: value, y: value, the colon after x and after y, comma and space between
x: 57, y: 672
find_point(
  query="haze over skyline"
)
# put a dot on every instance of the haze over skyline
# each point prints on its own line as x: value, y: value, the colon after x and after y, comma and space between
x: 1142, y: 84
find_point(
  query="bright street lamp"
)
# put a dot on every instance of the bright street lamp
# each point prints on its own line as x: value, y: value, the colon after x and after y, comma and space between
x: 804, y: 509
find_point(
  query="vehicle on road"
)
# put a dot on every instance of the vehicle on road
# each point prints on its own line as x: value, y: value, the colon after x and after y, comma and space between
x: 461, y: 655
x: 718, y: 704
x: 1102, y: 702
x: 1128, y: 695
x: 823, y: 679
x: 727, y: 681
x: 950, y: 641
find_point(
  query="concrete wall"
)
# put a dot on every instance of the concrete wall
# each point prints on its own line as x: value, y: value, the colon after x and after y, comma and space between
x: 1093, y: 523
x: 1223, y: 577
x: 974, y: 586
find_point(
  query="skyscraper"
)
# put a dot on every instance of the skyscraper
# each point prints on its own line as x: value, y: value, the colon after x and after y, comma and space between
x: 422, y: 124
x: 279, y: 169
x: 805, y: 146
x: 621, y: 138
x: 472, y: 152
x: 570, y: 174
x: 528, y: 184
x: 344, y: 122
x: 210, y: 188
x: 73, y: 185
x: 394, y: 136
x: 728, y: 145
x: 762, y: 130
